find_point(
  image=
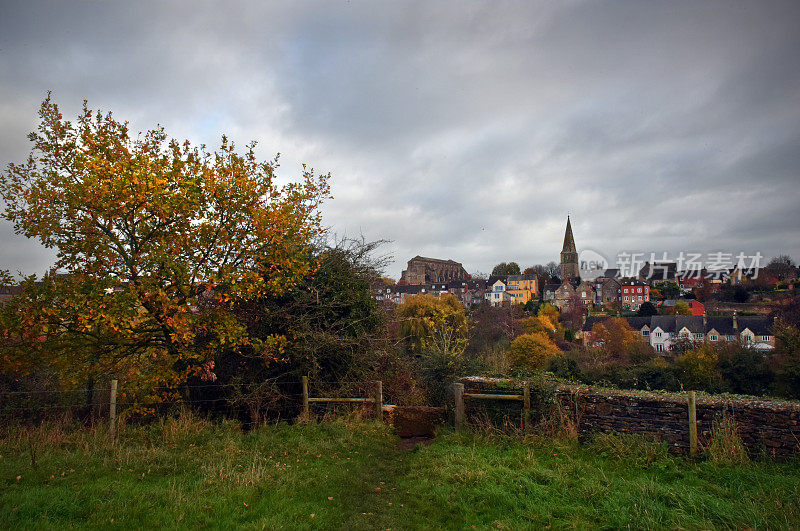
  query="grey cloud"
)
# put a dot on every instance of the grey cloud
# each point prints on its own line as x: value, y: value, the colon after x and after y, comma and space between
x: 460, y: 130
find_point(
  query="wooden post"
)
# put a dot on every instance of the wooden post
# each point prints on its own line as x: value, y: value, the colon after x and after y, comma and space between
x: 306, y: 411
x: 379, y: 399
x: 112, y: 409
x: 692, y: 423
x: 526, y: 414
x: 458, y: 392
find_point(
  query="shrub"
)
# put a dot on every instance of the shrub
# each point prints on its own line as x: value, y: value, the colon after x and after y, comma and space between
x: 698, y: 368
x: 532, y: 351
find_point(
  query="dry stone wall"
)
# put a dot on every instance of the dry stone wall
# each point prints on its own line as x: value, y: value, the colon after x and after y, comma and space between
x: 770, y: 426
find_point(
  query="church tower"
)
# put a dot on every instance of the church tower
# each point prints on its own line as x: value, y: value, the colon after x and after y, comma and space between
x: 569, y: 256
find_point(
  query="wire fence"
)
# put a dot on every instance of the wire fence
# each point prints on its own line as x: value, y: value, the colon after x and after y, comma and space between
x: 284, y: 394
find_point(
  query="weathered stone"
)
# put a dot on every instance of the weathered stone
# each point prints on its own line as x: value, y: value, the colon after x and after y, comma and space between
x: 423, y: 270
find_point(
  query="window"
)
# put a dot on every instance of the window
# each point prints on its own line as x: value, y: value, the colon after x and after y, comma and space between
x: 713, y: 337
x: 766, y: 338
x: 659, y: 347
x: 658, y: 334
x: 583, y: 294
x: 645, y: 333
x: 639, y: 290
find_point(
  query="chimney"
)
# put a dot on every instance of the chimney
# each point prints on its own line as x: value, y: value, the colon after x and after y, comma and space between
x: 735, y: 322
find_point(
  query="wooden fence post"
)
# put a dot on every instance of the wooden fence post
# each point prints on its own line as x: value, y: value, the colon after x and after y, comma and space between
x: 112, y: 409
x: 458, y: 392
x: 379, y: 399
x: 306, y: 411
x: 692, y: 423
x: 526, y: 415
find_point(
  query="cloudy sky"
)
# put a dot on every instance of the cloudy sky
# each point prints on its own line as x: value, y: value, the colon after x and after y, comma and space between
x: 458, y: 130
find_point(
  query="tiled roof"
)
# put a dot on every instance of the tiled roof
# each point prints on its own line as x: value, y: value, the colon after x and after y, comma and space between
x: 521, y: 277
x: 759, y: 325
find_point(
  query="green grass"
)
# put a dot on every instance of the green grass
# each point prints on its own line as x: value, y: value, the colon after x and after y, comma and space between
x: 352, y: 475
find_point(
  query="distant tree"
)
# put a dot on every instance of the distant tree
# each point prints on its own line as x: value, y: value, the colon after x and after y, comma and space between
x: 682, y: 308
x: 575, y: 312
x: 427, y: 318
x: 553, y: 269
x: 539, y: 324
x: 647, y: 309
x: 785, y: 360
x: 532, y: 351
x: 704, y: 292
x: 782, y: 266
x: 613, y: 337
x: 437, y: 329
x: 550, y: 311
x: 504, y: 269
x: 740, y: 294
x: 698, y: 368
x: 532, y: 306
x: 788, y: 312
x: 668, y: 289
x: 744, y: 370
x: 491, y: 329
x: 655, y: 295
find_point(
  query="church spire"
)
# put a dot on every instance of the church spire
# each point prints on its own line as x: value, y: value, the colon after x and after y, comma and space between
x: 569, y: 256
x: 569, y: 240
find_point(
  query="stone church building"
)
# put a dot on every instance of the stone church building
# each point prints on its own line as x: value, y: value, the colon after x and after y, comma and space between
x: 569, y: 256
x: 423, y: 270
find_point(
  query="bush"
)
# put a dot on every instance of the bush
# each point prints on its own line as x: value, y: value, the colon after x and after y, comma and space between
x: 565, y: 367
x: 745, y: 370
x: 532, y: 351
x: 698, y: 368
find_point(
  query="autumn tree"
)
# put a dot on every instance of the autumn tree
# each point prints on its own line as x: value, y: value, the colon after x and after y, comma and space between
x: 532, y: 351
x: 575, y: 313
x: 782, y: 266
x: 159, y: 240
x: 698, y: 368
x: 436, y: 332
x: 682, y: 308
x: 614, y: 337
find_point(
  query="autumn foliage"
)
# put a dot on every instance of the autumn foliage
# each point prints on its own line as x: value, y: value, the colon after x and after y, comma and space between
x: 157, y: 242
x: 532, y: 351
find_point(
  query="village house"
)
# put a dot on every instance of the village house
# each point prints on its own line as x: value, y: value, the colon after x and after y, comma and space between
x: 634, y: 294
x: 522, y: 287
x: 662, y: 332
x: 586, y: 293
x: 562, y: 295
x: 609, y: 291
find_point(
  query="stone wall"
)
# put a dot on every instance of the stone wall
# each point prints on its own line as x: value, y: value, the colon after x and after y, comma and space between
x: 770, y: 426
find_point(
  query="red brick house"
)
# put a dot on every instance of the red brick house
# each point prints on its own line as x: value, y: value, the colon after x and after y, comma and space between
x: 632, y: 295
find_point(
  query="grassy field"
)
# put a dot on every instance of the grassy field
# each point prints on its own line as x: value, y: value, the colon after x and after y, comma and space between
x: 354, y: 475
